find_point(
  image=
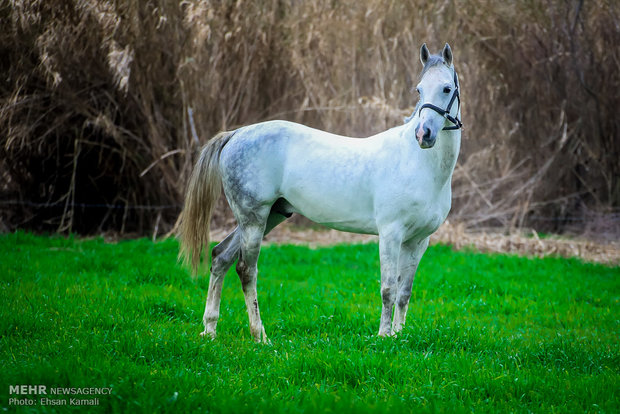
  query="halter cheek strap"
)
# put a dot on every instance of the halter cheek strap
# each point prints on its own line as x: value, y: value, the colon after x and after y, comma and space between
x: 446, y: 112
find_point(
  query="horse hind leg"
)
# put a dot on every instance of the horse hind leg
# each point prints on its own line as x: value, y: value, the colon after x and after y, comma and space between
x: 222, y: 257
x: 255, y: 226
x: 251, y: 236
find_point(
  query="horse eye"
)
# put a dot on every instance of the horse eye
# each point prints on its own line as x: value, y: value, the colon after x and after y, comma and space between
x: 447, y: 89
x: 417, y: 90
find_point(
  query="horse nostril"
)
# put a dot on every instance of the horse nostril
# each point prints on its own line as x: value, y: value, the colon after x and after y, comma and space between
x: 427, y: 133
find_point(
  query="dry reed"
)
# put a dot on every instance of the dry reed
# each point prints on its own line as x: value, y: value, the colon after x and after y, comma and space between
x: 96, y: 98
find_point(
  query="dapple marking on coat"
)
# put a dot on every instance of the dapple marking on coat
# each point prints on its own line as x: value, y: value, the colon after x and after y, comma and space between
x: 396, y: 184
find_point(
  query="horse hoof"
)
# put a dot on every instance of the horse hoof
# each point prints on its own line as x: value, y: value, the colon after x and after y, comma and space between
x: 261, y: 338
x: 209, y: 335
x: 264, y: 338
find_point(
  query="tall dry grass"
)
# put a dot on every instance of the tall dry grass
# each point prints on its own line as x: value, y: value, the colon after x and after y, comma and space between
x: 95, y: 98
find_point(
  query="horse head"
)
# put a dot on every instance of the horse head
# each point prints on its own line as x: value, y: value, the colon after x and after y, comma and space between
x: 438, y: 90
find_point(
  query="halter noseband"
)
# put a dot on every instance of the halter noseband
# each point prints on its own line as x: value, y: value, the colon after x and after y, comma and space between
x: 446, y: 113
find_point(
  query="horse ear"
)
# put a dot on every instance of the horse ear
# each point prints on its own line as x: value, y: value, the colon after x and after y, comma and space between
x: 447, y: 54
x: 424, y: 54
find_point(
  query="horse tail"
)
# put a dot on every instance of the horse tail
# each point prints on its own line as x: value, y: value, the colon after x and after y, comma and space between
x: 203, y: 191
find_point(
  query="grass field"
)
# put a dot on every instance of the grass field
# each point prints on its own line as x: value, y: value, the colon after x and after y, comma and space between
x: 484, y: 333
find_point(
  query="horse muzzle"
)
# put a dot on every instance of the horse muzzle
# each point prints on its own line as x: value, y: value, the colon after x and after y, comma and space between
x: 426, y: 136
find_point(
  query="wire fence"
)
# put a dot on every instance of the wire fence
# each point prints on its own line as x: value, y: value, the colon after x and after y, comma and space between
x: 93, y: 205
x: 611, y: 217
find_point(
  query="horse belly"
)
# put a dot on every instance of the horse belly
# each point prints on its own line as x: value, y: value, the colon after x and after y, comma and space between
x: 334, y: 203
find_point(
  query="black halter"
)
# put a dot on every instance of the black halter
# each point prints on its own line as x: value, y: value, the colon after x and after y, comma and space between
x: 446, y: 113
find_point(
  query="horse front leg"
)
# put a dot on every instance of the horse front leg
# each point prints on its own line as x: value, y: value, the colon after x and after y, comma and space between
x: 389, y: 252
x: 410, y: 255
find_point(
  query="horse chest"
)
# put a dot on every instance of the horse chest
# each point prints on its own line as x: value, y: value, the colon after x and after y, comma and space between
x: 422, y: 212
x: 429, y: 224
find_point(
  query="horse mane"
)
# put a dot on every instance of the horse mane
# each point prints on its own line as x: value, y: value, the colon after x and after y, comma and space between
x: 415, y: 111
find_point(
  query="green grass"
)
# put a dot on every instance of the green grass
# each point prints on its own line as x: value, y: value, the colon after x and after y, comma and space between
x: 484, y: 333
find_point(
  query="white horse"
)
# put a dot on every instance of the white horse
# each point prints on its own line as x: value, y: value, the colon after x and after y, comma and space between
x: 396, y: 184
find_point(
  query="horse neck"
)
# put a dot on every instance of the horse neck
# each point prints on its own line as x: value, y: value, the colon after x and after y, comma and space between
x: 447, y: 149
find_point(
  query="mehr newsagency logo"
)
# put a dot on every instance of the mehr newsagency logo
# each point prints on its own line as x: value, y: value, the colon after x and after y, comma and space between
x: 31, y: 395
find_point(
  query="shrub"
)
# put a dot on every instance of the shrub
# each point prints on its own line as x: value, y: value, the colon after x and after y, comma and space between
x: 96, y: 97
